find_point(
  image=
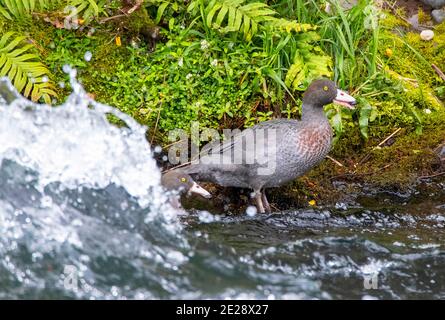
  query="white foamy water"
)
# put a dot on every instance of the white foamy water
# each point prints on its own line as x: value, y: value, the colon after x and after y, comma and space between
x: 79, y: 189
x: 75, y: 144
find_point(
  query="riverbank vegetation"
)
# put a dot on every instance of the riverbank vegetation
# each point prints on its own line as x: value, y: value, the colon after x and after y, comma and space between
x: 233, y: 63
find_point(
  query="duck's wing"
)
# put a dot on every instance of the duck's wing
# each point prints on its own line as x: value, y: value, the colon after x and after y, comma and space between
x: 255, y: 145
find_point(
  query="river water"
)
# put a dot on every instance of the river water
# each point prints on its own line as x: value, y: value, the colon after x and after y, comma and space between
x: 82, y: 215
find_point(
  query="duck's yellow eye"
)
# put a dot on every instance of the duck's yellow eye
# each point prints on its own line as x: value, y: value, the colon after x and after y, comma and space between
x: 183, y: 179
x: 325, y: 88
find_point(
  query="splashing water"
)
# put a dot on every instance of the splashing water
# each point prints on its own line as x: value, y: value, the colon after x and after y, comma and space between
x: 61, y: 169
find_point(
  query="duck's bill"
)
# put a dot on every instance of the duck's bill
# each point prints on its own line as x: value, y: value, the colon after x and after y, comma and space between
x: 345, y: 99
x: 196, y: 188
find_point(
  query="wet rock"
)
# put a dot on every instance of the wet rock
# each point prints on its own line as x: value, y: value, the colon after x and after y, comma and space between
x: 436, y: 4
x: 414, y: 21
x: 438, y: 15
x: 427, y: 35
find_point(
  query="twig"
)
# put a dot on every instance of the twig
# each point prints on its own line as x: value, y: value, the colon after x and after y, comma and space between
x: 394, y: 11
x: 172, y: 144
x: 335, y: 161
x: 124, y: 13
x: 389, y: 137
x: 398, y: 76
x: 438, y: 71
x: 379, y: 145
x: 112, y: 18
x: 432, y: 176
x: 135, y: 7
x: 156, y: 126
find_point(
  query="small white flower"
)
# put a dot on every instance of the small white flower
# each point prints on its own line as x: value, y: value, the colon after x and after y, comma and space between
x: 181, y: 62
x: 214, y: 63
x: 134, y: 43
x: 427, y: 111
x: 204, y: 45
x: 189, y: 76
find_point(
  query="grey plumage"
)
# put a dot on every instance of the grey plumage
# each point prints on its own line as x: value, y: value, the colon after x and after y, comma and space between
x: 273, y: 152
x: 286, y: 158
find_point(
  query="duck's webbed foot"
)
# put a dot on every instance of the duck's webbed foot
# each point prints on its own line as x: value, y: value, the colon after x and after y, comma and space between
x: 258, y: 201
x: 266, y: 204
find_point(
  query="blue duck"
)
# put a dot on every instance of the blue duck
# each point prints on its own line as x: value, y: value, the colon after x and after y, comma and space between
x: 181, y: 183
x: 274, y: 152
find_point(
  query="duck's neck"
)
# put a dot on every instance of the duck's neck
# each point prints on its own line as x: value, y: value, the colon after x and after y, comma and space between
x: 311, y: 113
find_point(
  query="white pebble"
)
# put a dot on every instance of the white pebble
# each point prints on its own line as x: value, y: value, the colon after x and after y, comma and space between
x: 158, y: 149
x: 427, y: 35
x: 88, y: 55
x: 251, y: 211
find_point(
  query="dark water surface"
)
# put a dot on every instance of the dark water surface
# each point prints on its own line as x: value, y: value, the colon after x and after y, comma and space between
x: 85, y: 243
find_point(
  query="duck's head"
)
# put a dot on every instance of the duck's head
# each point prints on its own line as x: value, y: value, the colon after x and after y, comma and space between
x: 182, y: 182
x: 323, y: 91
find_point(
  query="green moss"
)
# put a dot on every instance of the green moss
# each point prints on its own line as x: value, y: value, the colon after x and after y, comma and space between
x: 390, y: 21
x: 423, y: 17
x: 139, y: 22
x: 412, y: 57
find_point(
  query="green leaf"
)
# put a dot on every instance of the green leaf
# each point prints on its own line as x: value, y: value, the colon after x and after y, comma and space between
x: 5, y: 13
x: 365, y: 113
x: 337, y: 123
x: 171, y: 23
x: 161, y: 10
x: 235, y: 16
x: 23, y: 67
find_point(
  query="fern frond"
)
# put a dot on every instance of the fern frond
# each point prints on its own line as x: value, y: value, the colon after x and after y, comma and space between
x: 20, y: 9
x: 87, y: 9
x: 237, y: 16
x: 290, y: 25
x: 309, y: 63
x: 4, y: 12
x: 23, y: 67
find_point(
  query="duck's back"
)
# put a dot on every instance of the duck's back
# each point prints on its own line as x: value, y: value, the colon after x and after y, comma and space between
x: 268, y: 154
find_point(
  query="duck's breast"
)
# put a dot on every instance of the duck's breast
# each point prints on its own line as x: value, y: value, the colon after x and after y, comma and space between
x: 299, y: 152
